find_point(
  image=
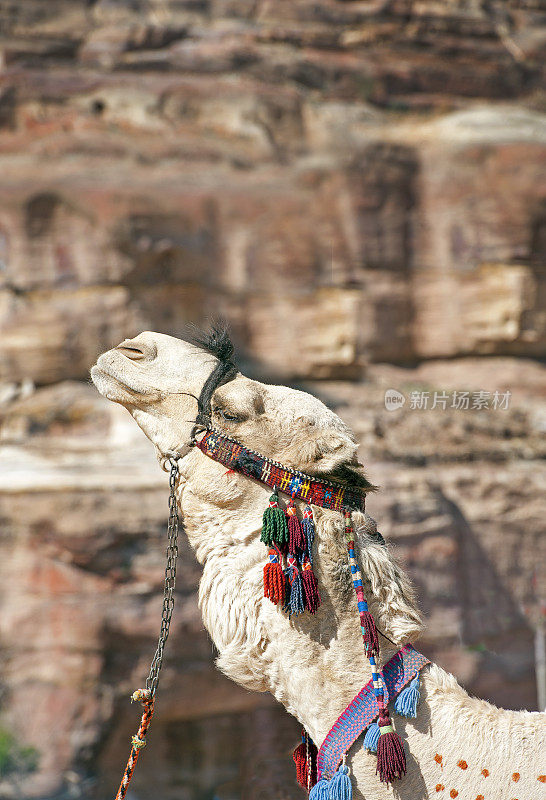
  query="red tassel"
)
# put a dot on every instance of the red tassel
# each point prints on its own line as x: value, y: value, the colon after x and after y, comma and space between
x: 310, y: 586
x: 369, y: 633
x: 274, y: 580
x: 300, y: 760
x: 296, y: 536
x: 391, y: 758
x: 305, y: 756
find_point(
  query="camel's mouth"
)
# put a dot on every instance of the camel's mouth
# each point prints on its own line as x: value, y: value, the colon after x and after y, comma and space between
x: 119, y: 390
x: 109, y: 386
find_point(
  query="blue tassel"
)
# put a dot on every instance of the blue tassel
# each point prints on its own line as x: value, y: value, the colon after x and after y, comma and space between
x: 320, y: 790
x: 406, y: 702
x: 294, y: 602
x: 371, y: 738
x: 308, y: 527
x: 340, y: 786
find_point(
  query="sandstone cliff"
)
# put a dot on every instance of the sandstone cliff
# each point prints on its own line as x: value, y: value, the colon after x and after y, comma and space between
x: 360, y: 189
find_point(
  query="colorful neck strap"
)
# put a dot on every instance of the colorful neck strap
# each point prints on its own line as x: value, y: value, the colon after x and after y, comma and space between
x: 402, y: 669
x: 313, y: 490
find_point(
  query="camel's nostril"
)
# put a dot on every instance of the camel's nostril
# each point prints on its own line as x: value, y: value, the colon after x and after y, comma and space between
x: 134, y: 353
x: 137, y: 351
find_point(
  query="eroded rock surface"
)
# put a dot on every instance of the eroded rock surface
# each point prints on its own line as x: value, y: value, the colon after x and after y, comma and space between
x: 379, y: 167
x: 348, y: 184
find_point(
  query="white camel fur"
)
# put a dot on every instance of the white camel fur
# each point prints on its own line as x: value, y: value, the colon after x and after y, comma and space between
x: 314, y: 665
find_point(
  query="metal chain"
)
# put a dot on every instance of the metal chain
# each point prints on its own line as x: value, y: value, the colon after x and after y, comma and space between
x: 170, y: 580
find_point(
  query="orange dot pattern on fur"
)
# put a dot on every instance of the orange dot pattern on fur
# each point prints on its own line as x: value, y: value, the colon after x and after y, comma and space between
x: 453, y: 793
x: 480, y: 797
x: 515, y: 777
x: 542, y: 778
x: 440, y: 787
x: 485, y: 773
x: 438, y: 758
x: 462, y: 764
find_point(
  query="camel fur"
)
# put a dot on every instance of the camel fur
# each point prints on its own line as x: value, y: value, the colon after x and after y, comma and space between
x: 458, y: 746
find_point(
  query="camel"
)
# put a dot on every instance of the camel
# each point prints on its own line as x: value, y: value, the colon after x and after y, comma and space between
x: 457, y: 746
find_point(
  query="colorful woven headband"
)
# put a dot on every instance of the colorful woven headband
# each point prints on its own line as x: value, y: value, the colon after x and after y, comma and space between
x: 318, y: 491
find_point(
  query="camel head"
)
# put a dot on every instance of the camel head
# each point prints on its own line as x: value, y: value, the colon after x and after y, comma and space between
x: 159, y: 379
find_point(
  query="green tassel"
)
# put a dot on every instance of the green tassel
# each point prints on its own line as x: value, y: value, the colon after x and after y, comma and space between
x: 274, y: 524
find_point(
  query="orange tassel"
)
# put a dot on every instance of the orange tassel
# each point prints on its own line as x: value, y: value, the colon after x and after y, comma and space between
x: 274, y: 579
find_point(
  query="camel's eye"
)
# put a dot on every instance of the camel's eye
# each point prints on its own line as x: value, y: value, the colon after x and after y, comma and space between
x: 227, y: 415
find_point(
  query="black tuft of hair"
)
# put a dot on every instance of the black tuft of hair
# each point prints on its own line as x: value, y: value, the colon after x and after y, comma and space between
x: 216, y: 341
x: 352, y: 475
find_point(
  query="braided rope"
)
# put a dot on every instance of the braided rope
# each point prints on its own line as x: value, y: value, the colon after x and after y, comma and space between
x: 138, y: 741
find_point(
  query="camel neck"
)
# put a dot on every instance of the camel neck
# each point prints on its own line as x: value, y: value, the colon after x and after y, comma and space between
x: 253, y: 636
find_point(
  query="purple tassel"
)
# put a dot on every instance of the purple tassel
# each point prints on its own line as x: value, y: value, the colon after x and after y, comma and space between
x: 296, y: 539
x: 391, y: 758
x: 369, y: 633
x: 310, y: 586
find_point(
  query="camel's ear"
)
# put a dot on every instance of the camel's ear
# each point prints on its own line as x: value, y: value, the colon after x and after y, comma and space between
x: 323, y: 450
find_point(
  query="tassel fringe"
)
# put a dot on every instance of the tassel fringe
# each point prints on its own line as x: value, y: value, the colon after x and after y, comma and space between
x: 294, y: 603
x: 283, y: 533
x: 296, y: 538
x: 391, y: 757
x: 274, y: 525
x: 320, y: 790
x: 274, y: 578
x: 305, y: 759
x: 310, y: 587
x: 369, y: 633
x: 300, y: 760
x: 371, y: 738
x: 308, y: 527
x: 340, y: 786
x: 406, y: 702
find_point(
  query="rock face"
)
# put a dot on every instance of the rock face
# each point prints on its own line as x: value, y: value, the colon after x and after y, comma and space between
x: 380, y: 167
x: 351, y: 185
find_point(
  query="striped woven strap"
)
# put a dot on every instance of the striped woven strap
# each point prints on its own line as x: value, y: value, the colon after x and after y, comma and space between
x: 364, y: 709
x: 316, y: 491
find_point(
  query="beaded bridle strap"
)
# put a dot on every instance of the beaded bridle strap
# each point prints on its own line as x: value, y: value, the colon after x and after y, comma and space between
x: 313, y: 490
